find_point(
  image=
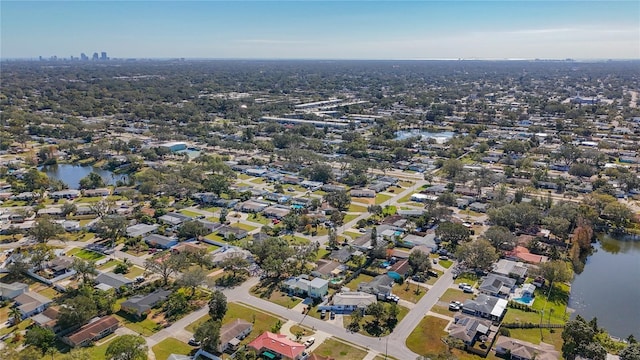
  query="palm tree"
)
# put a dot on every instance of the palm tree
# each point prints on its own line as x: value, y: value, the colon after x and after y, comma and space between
x: 16, y: 315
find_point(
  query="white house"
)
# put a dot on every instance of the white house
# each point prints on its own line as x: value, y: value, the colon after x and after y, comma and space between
x: 316, y: 288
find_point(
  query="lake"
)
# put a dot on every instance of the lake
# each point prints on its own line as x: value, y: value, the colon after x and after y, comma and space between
x: 71, y: 174
x: 609, y: 289
x: 440, y: 137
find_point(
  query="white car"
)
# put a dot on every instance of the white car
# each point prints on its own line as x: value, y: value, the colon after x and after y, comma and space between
x: 309, y: 342
x: 467, y: 289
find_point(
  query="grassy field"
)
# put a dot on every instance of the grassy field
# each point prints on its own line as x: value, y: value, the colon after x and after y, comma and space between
x: 380, y: 198
x: 353, y: 284
x: 295, y: 240
x: 356, y: 208
x: 189, y: 213
x: 133, y: 272
x: 146, y: 327
x: 554, y: 307
x: 535, y: 336
x: 350, y: 217
x: 169, y: 346
x: 259, y: 219
x: 352, y: 235
x: 455, y: 294
x: 108, y: 264
x: 432, y: 280
x: 244, y: 226
x: 467, y: 278
x: 271, y: 292
x: 425, y: 338
x: 85, y: 254
x: 301, y: 329
x: 445, y: 263
x: 413, y: 293
x: 339, y: 350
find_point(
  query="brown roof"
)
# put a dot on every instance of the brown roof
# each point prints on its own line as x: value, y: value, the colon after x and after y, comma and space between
x: 91, y: 330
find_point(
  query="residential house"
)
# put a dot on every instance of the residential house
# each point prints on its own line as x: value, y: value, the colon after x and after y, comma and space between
x: 230, y: 232
x: 59, y: 266
x: 485, y: 306
x: 230, y: 252
x: 523, y: 254
x: 516, y: 349
x: 341, y: 255
x: 380, y: 285
x: 428, y: 240
x: 92, y: 331
x: 276, y: 212
x: 110, y: 280
x: 363, y: 193
x: 251, y: 206
x: 64, y: 194
x: 379, y: 186
x: 513, y: 269
x: 479, y: 207
x: 188, y: 247
x: 316, y: 288
x: 140, y: 305
x: 349, y: 301
x: 30, y: 303
x: 160, y: 241
x: 48, y: 318
x: 470, y: 329
x: 141, y: 229
x: 231, y: 334
x: 332, y: 188
x: 174, y: 218
x: 498, y: 285
x: 10, y: 291
x: 399, y: 268
x: 97, y: 192
x: 423, y: 198
x: 328, y: 269
x: 277, y: 346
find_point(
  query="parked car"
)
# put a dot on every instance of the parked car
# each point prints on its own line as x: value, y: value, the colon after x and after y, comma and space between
x: 432, y: 273
x: 454, y: 307
x: 193, y: 342
x: 323, y: 314
x: 309, y: 342
x: 468, y: 289
x: 393, y: 298
x: 332, y: 315
x: 462, y: 285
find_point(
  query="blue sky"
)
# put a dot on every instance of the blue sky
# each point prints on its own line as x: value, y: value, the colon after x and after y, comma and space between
x: 326, y: 29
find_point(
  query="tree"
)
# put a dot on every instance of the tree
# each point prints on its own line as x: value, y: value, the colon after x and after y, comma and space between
x: 127, y: 347
x: 354, y: 324
x: 272, y: 254
x: 45, y: 229
x: 92, y: 181
x: 208, y: 334
x: 40, y: 337
x: 419, y: 262
x: 217, y: 184
x: 555, y: 270
x: 165, y: 265
x: 617, y: 213
x: 76, y: 354
x: 111, y: 227
x: 192, y: 229
x: 85, y: 268
x: 291, y: 221
x: 68, y: 208
x: 453, y: 168
x: 579, y: 340
x: 479, y: 254
x: 631, y: 352
x: 192, y: 278
x: 374, y: 237
x: 15, y: 314
x: 378, y: 312
x: 223, y: 215
x: 319, y: 172
x: 76, y: 311
x: 217, y: 305
x: 333, y: 238
x: 339, y: 200
x: 176, y: 304
x: 581, y: 170
x: 559, y: 226
x: 452, y: 233
x: 512, y: 216
x: 235, y: 263
x: 39, y: 254
x: 500, y: 237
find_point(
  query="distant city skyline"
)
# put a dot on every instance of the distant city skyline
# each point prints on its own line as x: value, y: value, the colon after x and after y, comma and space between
x: 323, y: 30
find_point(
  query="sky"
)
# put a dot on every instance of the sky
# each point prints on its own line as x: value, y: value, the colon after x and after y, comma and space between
x: 508, y: 29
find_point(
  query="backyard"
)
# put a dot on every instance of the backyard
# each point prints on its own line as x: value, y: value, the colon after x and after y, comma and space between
x: 270, y: 291
x: 425, y: 339
x: 353, y: 284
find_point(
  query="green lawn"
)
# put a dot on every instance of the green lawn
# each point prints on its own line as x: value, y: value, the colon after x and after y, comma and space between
x: 425, y: 339
x: 455, y: 294
x: 257, y: 181
x: 146, y: 327
x: 353, y: 284
x: 534, y: 336
x: 405, y: 198
x: 133, y: 272
x: 349, y: 217
x: 554, y: 309
x: 432, y: 280
x: 322, y: 252
x: 216, y: 237
x: 108, y: 264
x: 270, y: 290
x: 466, y: 278
x: 213, y: 219
x: 49, y: 292
x: 356, y: 208
x: 169, y: 346
x: 189, y: 213
x: 380, y: 198
x: 259, y: 219
x: 85, y: 254
x: 352, y: 235
x: 402, y: 312
x: 90, y: 199
x: 339, y: 350
x: 295, y: 240
x: 412, y: 293
x: 243, y: 226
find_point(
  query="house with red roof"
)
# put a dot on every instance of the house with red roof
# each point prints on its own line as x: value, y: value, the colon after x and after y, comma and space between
x: 277, y: 346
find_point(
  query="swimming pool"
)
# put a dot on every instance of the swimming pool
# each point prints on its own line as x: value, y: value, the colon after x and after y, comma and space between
x: 527, y: 300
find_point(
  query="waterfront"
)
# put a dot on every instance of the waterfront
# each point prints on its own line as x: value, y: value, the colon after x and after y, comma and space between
x: 71, y: 174
x: 608, y: 287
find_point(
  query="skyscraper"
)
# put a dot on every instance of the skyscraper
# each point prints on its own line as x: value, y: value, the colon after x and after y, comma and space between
x: 95, y: 56
x: 84, y: 57
x: 103, y: 56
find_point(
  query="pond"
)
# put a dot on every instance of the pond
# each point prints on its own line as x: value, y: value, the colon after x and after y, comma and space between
x: 71, y: 174
x: 608, y: 287
x: 440, y: 137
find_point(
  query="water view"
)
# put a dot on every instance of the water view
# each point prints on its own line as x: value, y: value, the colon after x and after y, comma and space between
x: 440, y: 137
x: 608, y: 288
x: 71, y: 174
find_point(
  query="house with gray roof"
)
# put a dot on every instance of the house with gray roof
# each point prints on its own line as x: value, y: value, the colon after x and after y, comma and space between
x: 160, y: 241
x: 349, y: 301
x: 140, y: 305
x: 469, y: 329
x: 381, y: 284
x: 31, y: 303
x: 316, y: 288
x: 498, y: 285
x: 10, y: 291
x: 141, y: 229
x: 510, y: 268
x: 485, y: 306
x: 112, y: 280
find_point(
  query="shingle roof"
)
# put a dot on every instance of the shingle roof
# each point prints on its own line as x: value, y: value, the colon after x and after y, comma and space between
x: 277, y: 343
